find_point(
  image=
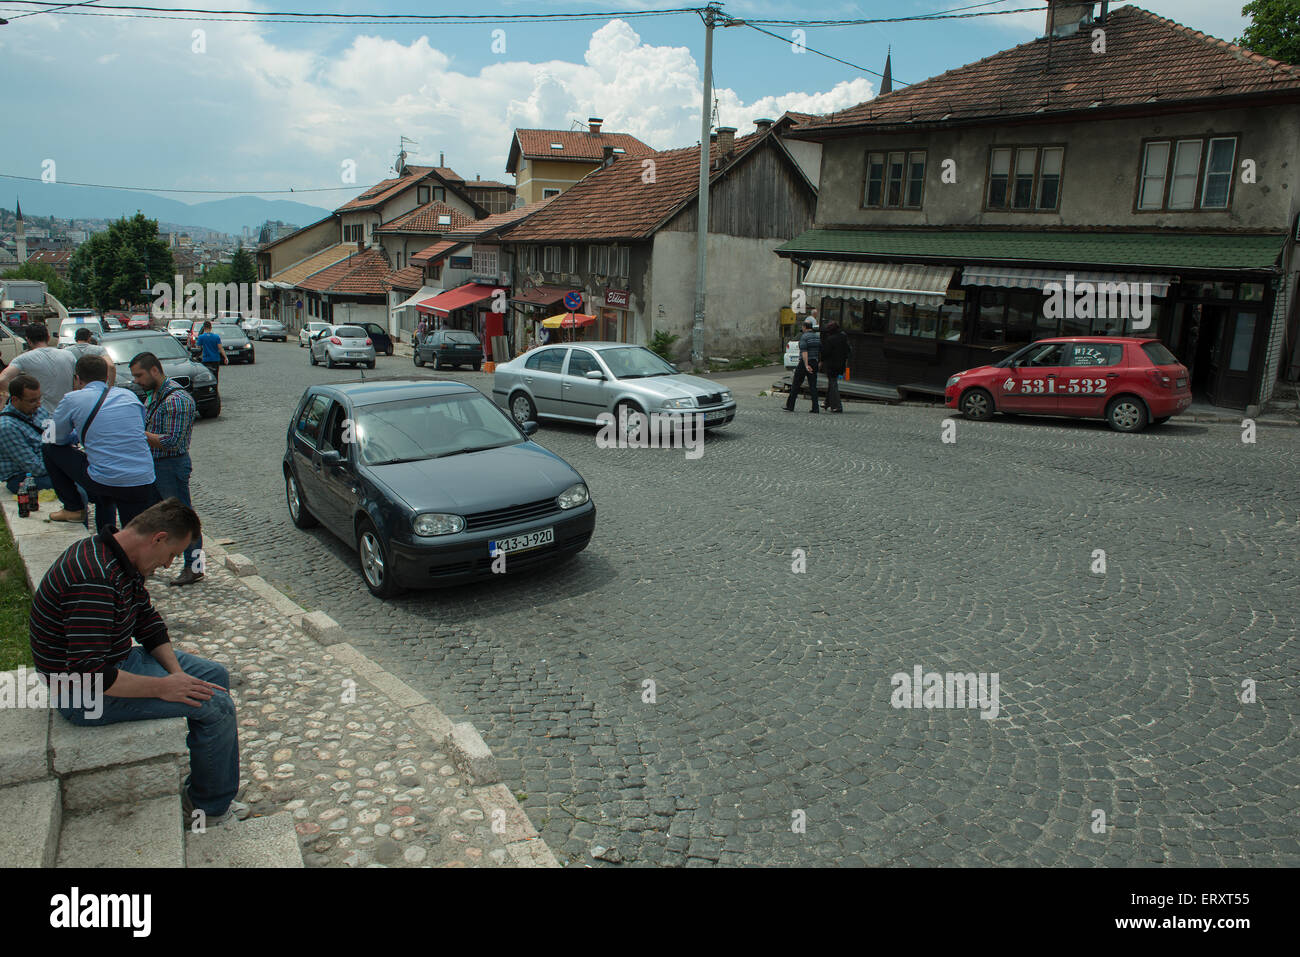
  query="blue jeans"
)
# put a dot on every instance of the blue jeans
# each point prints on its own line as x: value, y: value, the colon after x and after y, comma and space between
x: 213, y: 739
x: 42, y: 481
x: 172, y: 480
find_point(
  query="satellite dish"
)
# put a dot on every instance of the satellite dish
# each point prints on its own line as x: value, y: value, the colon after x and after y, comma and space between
x: 400, y: 165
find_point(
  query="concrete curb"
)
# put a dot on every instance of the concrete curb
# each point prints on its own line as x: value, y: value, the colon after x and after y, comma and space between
x: 461, y: 740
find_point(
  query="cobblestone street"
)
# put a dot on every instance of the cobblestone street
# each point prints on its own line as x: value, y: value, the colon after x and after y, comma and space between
x: 1120, y: 692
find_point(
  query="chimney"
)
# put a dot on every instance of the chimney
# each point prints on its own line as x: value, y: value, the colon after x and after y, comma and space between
x: 442, y: 158
x: 726, y: 140
x: 763, y: 125
x: 1065, y: 17
x: 593, y: 124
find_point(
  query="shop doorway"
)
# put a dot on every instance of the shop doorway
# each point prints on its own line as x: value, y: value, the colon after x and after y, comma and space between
x: 1220, y: 343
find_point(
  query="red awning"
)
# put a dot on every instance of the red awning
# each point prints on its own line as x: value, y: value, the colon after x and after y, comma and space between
x: 446, y: 302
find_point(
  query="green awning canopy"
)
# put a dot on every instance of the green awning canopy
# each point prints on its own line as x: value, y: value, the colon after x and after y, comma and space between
x: 1163, y: 250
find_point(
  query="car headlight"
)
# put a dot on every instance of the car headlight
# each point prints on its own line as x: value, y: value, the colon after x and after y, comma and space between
x: 438, y: 523
x: 573, y: 496
x: 726, y: 395
x: 204, y: 377
x: 953, y: 380
x: 687, y: 403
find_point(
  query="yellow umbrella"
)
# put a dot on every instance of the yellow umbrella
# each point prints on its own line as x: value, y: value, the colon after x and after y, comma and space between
x: 568, y: 320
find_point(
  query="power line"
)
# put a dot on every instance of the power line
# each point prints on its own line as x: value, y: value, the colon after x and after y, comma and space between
x: 159, y: 189
x: 953, y: 14
x: 37, y: 13
x: 136, y: 11
x: 818, y: 52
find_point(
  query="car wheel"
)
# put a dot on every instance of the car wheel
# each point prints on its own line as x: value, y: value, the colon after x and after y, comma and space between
x: 389, y: 351
x: 522, y: 408
x: 631, y: 421
x: 370, y: 364
x: 977, y: 405
x: 311, y: 356
x: 1161, y: 421
x: 478, y: 366
x: 251, y: 358
x: 1126, y: 414
x: 375, y: 566
x: 329, y: 359
x: 298, y: 511
x: 437, y: 364
x: 418, y: 361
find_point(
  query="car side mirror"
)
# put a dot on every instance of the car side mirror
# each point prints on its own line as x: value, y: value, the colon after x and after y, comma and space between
x: 529, y: 427
x: 596, y: 375
x: 675, y: 366
x: 330, y: 458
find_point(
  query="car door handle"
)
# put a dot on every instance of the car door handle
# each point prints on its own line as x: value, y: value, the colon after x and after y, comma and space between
x: 1112, y: 375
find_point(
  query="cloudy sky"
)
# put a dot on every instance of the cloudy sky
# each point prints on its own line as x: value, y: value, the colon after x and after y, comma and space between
x: 133, y: 102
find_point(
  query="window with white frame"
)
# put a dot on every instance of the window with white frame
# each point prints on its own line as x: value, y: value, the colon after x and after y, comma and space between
x: 1187, y: 174
x: 422, y: 194
x: 552, y: 259
x: 485, y: 261
x: 548, y: 192
x: 1025, y: 178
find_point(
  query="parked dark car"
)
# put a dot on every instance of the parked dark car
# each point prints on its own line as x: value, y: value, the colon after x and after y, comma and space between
x: 431, y: 483
x: 383, y: 341
x: 449, y: 347
x: 176, y: 362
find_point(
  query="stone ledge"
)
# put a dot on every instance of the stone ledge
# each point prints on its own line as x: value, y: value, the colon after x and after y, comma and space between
x: 256, y: 842
x: 322, y: 628
x: 123, y: 784
x: 434, y: 721
x: 146, y: 834
x: 76, y: 749
x: 241, y: 565
x: 517, y: 827
x: 24, y: 742
x: 532, y: 854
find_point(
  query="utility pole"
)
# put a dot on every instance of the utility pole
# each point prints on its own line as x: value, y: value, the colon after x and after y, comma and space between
x: 702, y: 203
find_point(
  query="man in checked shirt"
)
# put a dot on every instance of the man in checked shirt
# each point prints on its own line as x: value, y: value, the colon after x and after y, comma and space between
x: 168, y: 422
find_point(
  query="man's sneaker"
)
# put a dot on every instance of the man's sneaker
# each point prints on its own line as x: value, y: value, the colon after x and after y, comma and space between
x: 63, y: 515
x: 236, y: 812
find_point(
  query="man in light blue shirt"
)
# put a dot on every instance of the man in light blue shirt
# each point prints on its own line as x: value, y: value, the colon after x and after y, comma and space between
x: 116, y: 468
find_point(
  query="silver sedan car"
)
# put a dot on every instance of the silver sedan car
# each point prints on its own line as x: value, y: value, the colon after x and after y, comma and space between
x: 341, y: 345
x: 260, y: 329
x: 579, y: 381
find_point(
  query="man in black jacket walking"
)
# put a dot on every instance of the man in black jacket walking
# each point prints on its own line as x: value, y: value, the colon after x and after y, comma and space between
x: 809, y: 357
x: 835, y: 356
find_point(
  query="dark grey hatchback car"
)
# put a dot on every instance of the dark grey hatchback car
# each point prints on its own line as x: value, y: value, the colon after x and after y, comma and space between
x: 431, y: 483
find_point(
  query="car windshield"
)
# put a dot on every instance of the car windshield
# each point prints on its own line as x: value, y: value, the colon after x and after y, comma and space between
x: 462, y: 337
x: 128, y: 347
x: 178, y: 324
x: 350, y: 332
x: 635, y: 362
x: 416, y: 429
x: 228, y: 332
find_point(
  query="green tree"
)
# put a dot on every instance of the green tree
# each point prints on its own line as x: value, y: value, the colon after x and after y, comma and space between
x: 42, y: 272
x: 242, y: 267
x: 119, y: 263
x: 1274, y: 29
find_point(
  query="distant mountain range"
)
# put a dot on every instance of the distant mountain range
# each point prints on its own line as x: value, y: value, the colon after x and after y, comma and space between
x: 93, y: 202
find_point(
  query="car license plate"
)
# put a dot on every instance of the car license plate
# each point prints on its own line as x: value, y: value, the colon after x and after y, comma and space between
x: 522, y: 543
x: 355, y: 355
x: 715, y: 416
x: 464, y: 347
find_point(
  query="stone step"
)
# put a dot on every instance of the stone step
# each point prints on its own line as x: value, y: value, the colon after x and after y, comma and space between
x: 24, y: 731
x: 144, y: 834
x: 30, y: 815
x: 118, y: 763
x: 254, y: 842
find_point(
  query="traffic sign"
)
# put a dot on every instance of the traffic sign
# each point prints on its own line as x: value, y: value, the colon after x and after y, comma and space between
x: 573, y: 301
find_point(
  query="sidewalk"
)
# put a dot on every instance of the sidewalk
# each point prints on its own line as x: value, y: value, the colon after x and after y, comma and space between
x: 371, y: 772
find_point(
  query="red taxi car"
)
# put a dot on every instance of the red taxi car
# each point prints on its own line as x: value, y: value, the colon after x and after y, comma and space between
x: 1129, y: 382
x: 139, y: 320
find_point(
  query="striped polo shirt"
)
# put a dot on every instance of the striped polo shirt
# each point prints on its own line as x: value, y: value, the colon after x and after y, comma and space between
x: 87, y: 609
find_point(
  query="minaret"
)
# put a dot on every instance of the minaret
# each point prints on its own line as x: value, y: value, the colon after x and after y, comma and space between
x: 887, y: 81
x: 20, y: 234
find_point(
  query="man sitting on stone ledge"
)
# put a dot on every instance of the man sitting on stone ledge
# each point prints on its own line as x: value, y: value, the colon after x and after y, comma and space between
x: 88, y: 608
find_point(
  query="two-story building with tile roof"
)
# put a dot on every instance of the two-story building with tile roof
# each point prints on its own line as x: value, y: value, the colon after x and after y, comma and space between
x: 1124, y: 150
x: 547, y: 162
x: 625, y: 237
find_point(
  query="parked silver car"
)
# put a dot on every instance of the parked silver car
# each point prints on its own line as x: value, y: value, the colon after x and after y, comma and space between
x: 260, y: 329
x: 309, y: 330
x: 577, y: 382
x: 179, y: 329
x: 342, y: 345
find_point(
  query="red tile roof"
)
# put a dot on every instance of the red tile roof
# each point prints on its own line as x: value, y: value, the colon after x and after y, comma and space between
x: 386, y: 190
x: 449, y: 174
x: 362, y: 274
x: 615, y: 203
x: 1148, y: 60
x: 51, y: 257
x: 486, y: 184
x: 497, y: 221
x: 431, y: 254
x: 424, y: 219
x: 580, y: 145
x: 411, y: 278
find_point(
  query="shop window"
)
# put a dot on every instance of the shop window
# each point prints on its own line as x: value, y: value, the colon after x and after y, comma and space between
x: 1243, y: 337
x: 830, y: 309
x: 991, y: 327
x: 1252, y: 292
x: 877, y: 318
x: 902, y: 319
x: 1224, y: 290
x: 951, y: 322
x: 1024, y: 306
x: 854, y: 316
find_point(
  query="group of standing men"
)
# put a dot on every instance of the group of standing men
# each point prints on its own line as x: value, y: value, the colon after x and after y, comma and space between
x: 828, y: 354
x: 68, y: 427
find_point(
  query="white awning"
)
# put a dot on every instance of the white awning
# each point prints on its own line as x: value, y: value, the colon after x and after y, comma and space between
x: 906, y: 283
x: 424, y: 293
x: 1014, y: 278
